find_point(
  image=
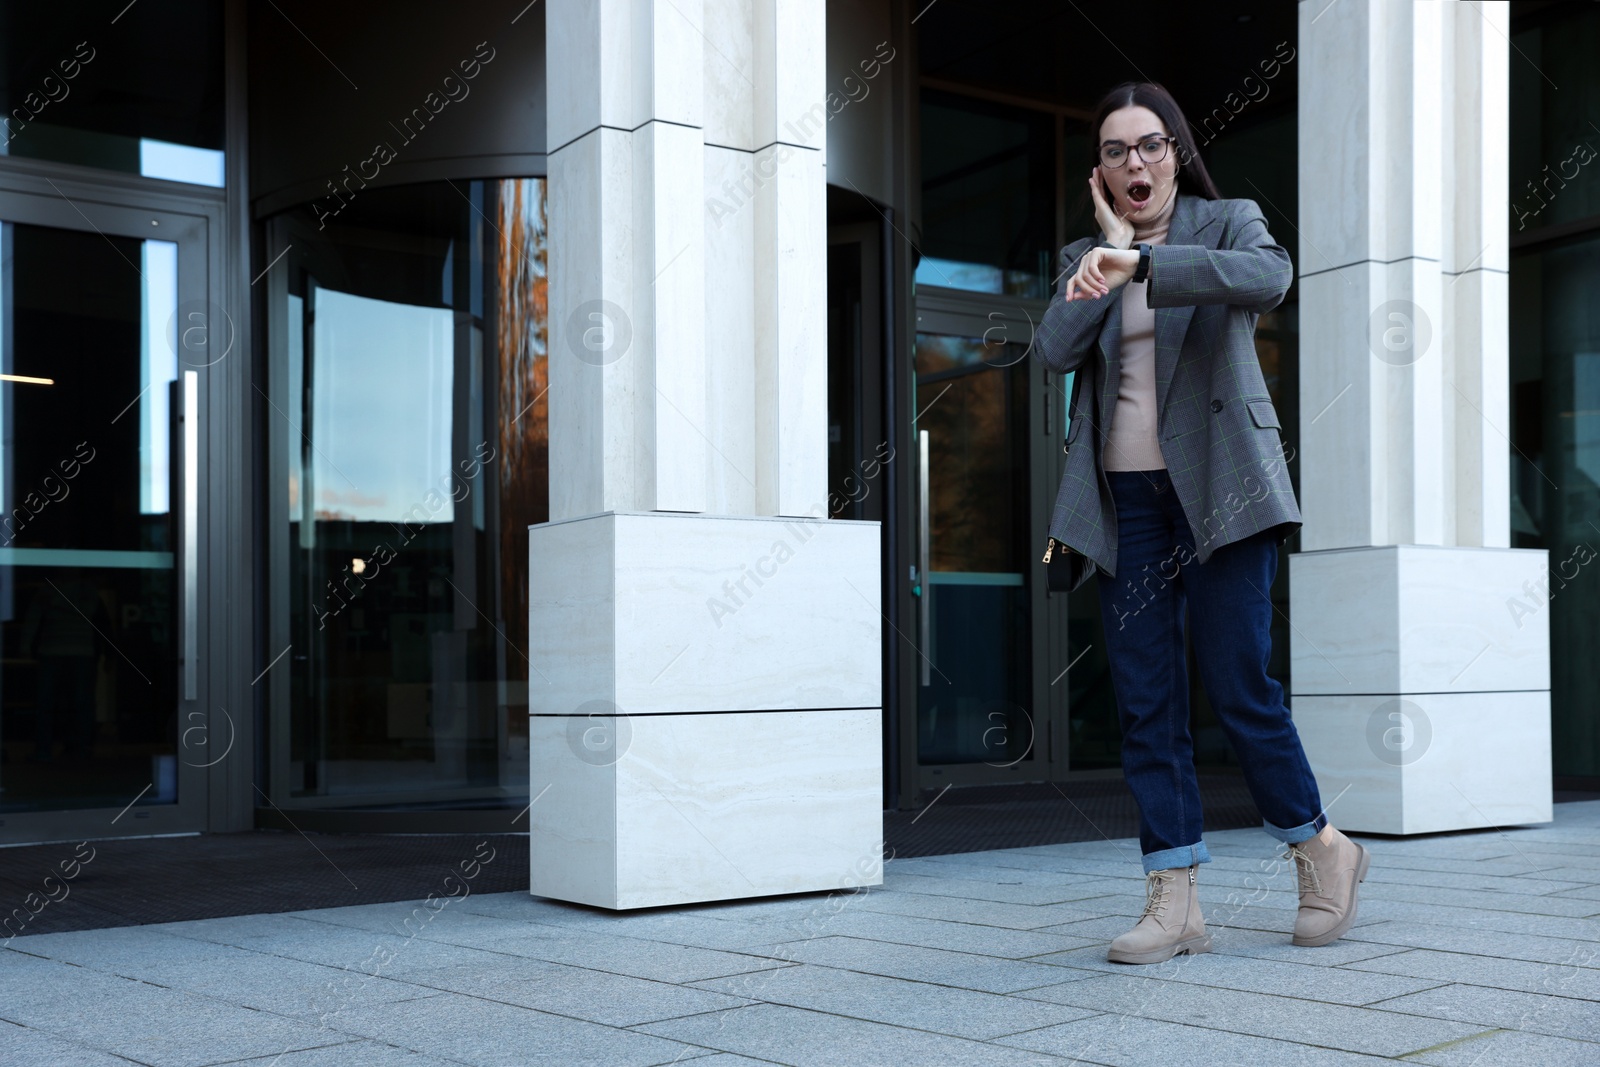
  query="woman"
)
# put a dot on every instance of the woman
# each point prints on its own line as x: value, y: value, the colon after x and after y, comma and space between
x: 1176, y: 491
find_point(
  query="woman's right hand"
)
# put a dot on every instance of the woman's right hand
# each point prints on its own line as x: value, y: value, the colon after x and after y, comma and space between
x: 1118, y: 230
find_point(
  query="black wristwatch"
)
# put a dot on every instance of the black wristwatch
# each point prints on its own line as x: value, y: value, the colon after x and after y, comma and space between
x: 1143, y: 270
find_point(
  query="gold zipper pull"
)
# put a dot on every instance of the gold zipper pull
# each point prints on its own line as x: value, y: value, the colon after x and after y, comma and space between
x: 1050, y: 546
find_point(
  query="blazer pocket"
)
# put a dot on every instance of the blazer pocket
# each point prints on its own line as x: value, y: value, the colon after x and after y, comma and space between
x: 1264, y: 414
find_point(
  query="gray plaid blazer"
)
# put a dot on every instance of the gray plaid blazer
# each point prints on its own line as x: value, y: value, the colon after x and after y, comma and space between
x: 1216, y: 425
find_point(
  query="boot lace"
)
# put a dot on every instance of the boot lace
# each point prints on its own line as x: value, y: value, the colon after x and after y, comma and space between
x: 1157, y: 885
x: 1310, y: 881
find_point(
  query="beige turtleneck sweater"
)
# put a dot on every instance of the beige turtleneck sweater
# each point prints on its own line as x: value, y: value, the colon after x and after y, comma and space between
x: 1131, y: 443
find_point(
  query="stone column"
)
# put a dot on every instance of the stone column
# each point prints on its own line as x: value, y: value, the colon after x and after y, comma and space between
x: 705, y: 704
x: 1420, y: 689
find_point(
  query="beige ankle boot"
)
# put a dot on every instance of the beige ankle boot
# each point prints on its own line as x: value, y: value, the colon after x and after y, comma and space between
x: 1171, y: 922
x: 1329, y: 876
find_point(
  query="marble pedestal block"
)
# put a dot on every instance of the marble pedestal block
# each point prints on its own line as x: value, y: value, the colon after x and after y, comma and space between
x: 705, y: 707
x: 1420, y: 685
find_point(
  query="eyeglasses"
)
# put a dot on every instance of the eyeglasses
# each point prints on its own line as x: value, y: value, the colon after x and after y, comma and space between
x: 1151, y: 150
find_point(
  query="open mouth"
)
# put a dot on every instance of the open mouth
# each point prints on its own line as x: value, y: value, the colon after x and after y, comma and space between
x: 1139, y: 191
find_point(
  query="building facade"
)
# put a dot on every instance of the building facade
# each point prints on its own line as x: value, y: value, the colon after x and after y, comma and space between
x: 308, y: 315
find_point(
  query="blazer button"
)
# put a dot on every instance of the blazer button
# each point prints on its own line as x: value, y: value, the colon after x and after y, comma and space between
x: 1216, y: 405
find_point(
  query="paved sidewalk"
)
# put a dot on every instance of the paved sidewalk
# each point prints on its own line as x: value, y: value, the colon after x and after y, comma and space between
x: 1472, y: 950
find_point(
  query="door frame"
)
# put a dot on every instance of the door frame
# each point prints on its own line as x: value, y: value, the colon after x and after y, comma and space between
x: 1012, y: 318
x: 216, y: 728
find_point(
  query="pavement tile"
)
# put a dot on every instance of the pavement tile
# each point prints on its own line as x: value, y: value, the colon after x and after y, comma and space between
x: 703, y: 926
x: 1276, y: 918
x: 1564, y: 980
x: 786, y: 909
x: 403, y: 919
x: 995, y: 889
x: 1511, y: 922
x: 1118, y: 1041
x: 915, y: 963
x: 22, y: 1046
x: 1479, y: 942
x: 1569, y: 871
x: 806, y: 1038
x: 471, y: 929
x: 1574, y: 854
x: 352, y: 1053
x: 1331, y: 985
x: 15, y: 966
x: 1514, y: 865
x: 1271, y: 945
x: 956, y: 936
x: 1576, y: 826
x: 1108, y: 866
x: 595, y: 996
x: 235, y: 929
x: 523, y: 905
x: 1339, y: 1026
x: 932, y: 867
x: 1582, y: 892
x: 1503, y: 1008
x: 118, y: 948
x: 1382, y: 874
x: 1008, y: 916
x: 468, y: 1030
x: 1510, y: 1049
x: 918, y: 1005
x: 632, y: 956
x: 1528, y: 902
x: 287, y: 987
x: 696, y: 931
x: 369, y: 952
x: 153, y: 1025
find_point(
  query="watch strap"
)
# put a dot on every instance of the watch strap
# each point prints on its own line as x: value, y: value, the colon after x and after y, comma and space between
x: 1142, y: 272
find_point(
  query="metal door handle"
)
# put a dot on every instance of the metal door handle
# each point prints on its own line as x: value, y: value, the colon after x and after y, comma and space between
x: 925, y: 599
x: 191, y: 529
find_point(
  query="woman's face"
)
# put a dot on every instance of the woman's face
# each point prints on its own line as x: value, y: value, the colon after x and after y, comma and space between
x: 1139, y: 189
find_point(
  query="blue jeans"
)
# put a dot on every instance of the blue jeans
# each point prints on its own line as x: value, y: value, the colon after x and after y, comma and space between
x: 1143, y: 608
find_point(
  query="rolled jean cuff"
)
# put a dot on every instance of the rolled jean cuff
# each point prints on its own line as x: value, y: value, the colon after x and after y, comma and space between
x: 1167, y: 858
x: 1303, y: 832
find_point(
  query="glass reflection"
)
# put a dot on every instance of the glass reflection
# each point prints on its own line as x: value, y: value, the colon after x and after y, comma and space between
x: 136, y: 88
x: 972, y: 396
x: 1555, y: 483
x: 988, y: 196
x: 413, y: 340
x: 88, y: 635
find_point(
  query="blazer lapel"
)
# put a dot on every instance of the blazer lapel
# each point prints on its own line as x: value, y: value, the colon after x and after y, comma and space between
x: 1192, y: 219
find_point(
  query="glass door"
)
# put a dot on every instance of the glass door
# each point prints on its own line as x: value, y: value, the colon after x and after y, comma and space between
x: 101, y: 367
x: 985, y: 710
x: 408, y: 427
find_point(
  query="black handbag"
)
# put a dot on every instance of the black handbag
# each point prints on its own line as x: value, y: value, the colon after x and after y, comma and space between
x: 1063, y: 564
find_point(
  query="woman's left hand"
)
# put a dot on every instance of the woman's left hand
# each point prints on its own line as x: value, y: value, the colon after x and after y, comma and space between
x: 1100, y: 271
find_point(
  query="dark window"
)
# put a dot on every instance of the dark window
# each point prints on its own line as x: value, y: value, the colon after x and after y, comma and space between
x: 128, y: 87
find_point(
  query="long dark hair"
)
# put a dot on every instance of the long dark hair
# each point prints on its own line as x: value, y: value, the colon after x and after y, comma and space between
x: 1193, y: 177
